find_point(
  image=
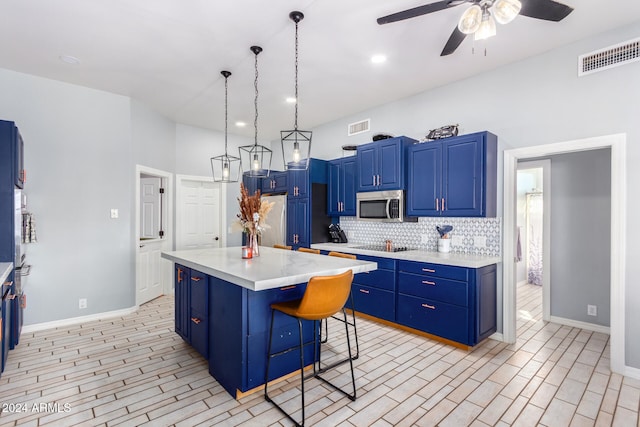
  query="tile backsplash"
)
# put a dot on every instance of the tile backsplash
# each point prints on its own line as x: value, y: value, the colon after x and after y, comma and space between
x: 467, y: 234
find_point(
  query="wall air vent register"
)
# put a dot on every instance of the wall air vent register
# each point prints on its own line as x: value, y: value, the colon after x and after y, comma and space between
x: 609, y: 57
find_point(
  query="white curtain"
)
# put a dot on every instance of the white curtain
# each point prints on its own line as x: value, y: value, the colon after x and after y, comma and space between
x: 534, y: 238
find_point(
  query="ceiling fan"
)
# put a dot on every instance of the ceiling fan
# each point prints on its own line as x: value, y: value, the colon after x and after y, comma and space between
x: 479, y: 19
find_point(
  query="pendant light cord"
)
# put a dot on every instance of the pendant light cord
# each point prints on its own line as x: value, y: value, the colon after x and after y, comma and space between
x: 295, y: 122
x: 255, y: 102
x: 226, y: 114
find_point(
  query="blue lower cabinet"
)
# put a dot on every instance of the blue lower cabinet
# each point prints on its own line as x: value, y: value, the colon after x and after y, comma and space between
x: 438, y: 318
x: 191, y: 308
x: 374, y: 302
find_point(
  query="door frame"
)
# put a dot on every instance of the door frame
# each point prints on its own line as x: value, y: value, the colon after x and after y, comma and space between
x: 545, y: 165
x: 167, y: 245
x: 223, y: 202
x: 617, y: 144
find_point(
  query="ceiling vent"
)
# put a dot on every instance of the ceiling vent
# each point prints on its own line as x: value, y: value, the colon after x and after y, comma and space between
x: 359, y: 127
x: 609, y: 57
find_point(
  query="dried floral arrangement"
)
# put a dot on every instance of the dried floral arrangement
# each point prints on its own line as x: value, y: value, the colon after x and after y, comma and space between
x: 253, y: 211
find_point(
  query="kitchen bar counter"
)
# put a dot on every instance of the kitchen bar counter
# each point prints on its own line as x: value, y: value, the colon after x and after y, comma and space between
x: 272, y: 269
x: 223, y: 308
x: 457, y: 260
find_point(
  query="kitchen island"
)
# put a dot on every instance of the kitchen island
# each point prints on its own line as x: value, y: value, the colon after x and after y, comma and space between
x: 223, y: 308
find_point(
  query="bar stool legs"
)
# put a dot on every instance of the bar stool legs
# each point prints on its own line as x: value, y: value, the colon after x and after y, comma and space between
x: 316, y: 364
x: 355, y: 330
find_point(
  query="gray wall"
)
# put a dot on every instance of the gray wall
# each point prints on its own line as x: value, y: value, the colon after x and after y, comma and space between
x: 78, y: 157
x: 580, y: 235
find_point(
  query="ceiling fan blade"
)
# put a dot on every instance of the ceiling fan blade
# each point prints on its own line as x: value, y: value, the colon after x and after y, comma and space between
x: 548, y: 10
x: 420, y: 10
x: 456, y: 38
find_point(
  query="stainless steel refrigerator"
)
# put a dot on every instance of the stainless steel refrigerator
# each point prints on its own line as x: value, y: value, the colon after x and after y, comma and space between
x: 276, y: 232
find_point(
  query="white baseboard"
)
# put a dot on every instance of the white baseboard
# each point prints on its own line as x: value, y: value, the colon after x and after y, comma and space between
x: 497, y: 336
x: 582, y: 325
x: 631, y: 372
x: 76, y: 320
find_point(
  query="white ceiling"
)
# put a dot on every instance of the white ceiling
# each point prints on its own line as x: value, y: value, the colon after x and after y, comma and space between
x: 168, y: 54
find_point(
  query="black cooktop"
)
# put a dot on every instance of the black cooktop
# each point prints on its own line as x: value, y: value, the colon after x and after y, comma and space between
x: 383, y: 248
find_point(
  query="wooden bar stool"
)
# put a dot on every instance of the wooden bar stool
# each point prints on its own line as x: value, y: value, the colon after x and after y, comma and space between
x: 282, y: 247
x: 309, y: 250
x: 323, y: 297
x: 353, y: 309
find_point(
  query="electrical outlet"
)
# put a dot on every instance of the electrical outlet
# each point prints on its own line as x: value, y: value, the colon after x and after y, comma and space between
x: 82, y: 303
x: 424, y: 239
x: 456, y: 241
x: 480, y: 241
x: 114, y: 213
x: 592, y: 310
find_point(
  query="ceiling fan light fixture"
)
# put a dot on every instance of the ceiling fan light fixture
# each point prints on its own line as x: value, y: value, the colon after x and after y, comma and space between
x: 470, y: 20
x: 487, y: 26
x: 506, y: 11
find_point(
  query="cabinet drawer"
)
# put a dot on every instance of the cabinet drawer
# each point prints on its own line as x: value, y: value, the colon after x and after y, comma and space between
x: 375, y: 302
x: 259, y: 307
x: 382, y: 279
x: 383, y: 263
x: 437, y: 318
x: 199, y: 333
x: 436, y: 270
x: 435, y: 288
x: 199, y: 291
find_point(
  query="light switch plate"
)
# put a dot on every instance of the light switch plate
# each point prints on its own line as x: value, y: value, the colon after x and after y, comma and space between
x: 114, y: 213
x: 480, y: 241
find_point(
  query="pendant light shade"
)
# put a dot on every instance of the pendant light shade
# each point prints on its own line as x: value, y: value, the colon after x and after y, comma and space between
x: 487, y: 26
x: 296, y: 144
x: 225, y: 168
x: 470, y: 20
x: 255, y: 159
x: 506, y: 11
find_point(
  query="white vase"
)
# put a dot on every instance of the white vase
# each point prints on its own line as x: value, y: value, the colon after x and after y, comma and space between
x: 444, y: 245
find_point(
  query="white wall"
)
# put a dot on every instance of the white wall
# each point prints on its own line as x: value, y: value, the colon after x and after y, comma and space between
x: 79, y: 165
x: 536, y: 101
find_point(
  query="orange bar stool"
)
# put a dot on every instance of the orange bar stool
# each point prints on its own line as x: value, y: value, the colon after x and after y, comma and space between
x: 282, y: 247
x: 353, y: 309
x: 309, y: 250
x: 324, y: 297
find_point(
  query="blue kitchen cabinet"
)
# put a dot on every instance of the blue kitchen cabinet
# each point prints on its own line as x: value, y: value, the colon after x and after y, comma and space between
x: 455, y: 303
x: 239, y: 335
x: 298, y: 222
x: 191, y: 308
x: 276, y: 182
x: 381, y: 164
x: 341, y: 194
x: 453, y: 177
x: 7, y: 295
x: 374, y: 292
x: 307, y: 219
x: 251, y: 183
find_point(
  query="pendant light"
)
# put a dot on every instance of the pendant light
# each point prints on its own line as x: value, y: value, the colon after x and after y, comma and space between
x: 225, y: 168
x: 255, y: 159
x: 296, y: 144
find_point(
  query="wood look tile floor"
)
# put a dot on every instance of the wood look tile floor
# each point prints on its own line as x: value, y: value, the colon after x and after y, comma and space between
x: 135, y: 370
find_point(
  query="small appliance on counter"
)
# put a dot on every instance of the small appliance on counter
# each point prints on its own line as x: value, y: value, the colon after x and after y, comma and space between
x: 337, y: 234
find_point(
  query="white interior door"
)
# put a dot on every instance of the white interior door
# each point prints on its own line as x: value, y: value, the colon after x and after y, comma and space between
x: 198, y: 214
x: 149, y: 270
x: 149, y: 208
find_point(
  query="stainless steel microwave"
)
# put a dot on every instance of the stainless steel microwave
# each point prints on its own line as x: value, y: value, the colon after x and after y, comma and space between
x: 381, y: 206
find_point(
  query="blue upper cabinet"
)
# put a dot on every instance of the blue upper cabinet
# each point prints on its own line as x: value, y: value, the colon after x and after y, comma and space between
x: 341, y: 195
x: 381, y: 164
x: 276, y: 182
x: 455, y: 177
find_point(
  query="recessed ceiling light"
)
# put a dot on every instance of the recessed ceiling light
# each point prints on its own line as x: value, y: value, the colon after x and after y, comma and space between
x: 378, y: 59
x: 291, y: 100
x: 68, y: 59
x: 241, y: 124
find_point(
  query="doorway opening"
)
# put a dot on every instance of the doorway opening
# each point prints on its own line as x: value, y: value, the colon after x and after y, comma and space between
x: 154, y: 213
x: 617, y: 144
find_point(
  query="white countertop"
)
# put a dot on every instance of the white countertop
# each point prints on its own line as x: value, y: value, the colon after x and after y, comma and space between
x: 5, y: 271
x: 272, y: 269
x: 458, y: 260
